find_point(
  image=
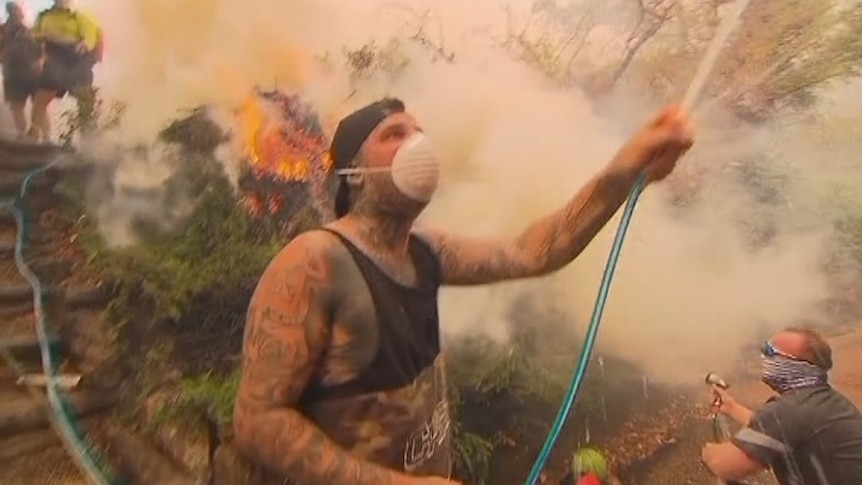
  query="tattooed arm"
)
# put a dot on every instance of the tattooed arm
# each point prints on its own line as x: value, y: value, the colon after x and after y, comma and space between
x: 557, y: 239
x: 544, y: 247
x: 286, y: 331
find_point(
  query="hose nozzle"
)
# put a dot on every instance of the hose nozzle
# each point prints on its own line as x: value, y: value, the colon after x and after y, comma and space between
x: 714, y: 379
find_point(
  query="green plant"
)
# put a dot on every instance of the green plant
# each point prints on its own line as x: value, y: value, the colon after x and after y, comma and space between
x: 501, y: 393
x: 206, y: 394
x: 844, y: 204
x: 89, y: 116
x: 214, y: 394
x: 216, y: 246
x: 474, y: 454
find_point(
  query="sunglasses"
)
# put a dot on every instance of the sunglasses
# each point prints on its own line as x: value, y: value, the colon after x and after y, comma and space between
x: 769, y: 350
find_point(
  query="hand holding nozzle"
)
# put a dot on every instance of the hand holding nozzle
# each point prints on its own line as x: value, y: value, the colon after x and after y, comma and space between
x: 714, y: 379
x: 718, y: 386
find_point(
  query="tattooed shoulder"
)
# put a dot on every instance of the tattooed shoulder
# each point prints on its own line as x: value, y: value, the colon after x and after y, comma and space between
x: 468, y: 260
x: 287, y: 323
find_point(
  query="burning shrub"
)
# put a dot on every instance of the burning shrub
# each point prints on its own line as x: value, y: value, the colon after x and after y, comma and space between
x: 287, y: 156
x: 220, y: 244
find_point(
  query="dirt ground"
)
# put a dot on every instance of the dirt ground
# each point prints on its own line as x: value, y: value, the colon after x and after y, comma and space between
x: 847, y: 376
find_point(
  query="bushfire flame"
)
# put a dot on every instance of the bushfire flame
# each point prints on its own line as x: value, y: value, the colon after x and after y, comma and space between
x: 284, y: 144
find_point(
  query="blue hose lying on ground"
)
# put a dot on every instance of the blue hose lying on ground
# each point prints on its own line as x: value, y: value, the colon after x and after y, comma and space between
x: 66, y: 419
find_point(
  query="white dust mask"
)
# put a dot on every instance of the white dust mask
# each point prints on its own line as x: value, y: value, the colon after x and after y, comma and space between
x: 415, y: 169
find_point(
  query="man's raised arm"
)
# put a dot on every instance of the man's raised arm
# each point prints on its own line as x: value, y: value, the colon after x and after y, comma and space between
x: 546, y: 246
x: 286, y: 331
x: 555, y: 240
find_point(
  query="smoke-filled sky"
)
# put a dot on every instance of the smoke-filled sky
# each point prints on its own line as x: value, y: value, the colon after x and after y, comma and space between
x: 688, y: 293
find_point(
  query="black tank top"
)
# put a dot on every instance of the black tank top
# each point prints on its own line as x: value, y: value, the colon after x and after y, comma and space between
x: 395, y: 412
x: 408, y: 325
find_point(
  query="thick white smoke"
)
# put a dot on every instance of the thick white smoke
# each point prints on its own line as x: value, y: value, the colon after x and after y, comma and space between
x: 689, y: 290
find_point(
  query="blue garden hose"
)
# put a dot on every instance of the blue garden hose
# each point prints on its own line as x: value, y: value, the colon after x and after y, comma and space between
x: 592, y: 332
x: 69, y: 425
x: 726, y: 27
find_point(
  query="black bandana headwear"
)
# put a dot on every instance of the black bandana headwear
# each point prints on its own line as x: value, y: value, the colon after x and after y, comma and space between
x: 349, y: 136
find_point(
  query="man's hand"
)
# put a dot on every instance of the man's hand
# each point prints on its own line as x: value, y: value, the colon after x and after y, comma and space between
x: 722, y: 401
x: 658, y: 145
x: 726, y: 404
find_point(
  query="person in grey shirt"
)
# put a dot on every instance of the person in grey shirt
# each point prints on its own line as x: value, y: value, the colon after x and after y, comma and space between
x: 808, y: 434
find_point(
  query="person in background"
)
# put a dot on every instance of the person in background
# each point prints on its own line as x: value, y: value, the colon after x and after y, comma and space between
x: 20, y: 54
x: 589, y: 467
x: 808, y: 433
x: 72, y: 46
x: 343, y: 375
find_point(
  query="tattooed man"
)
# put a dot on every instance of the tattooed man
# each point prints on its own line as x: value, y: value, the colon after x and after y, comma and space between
x: 343, y: 380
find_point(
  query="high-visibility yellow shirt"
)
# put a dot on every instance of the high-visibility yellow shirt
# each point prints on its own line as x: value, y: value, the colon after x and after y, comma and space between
x: 67, y: 26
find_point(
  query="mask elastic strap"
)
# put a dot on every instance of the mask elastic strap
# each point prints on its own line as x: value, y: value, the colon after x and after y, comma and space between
x: 360, y: 170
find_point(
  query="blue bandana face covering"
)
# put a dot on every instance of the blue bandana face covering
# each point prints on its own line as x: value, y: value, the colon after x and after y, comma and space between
x: 783, y: 374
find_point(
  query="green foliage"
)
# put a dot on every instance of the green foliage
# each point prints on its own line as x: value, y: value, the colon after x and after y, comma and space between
x: 212, y: 248
x: 491, y: 369
x: 851, y: 227
x: 195, y: 132
x: 474, y: 454
x: 782, y: 52
x: 559, y: 39
x: 209, y: 394
x: 843, y: 202
x: 786, y: 50
x: 507, y: 394
x: 473, y: 450
x: 212, y: 393
x: 542, y: 53
x: 90, y: 115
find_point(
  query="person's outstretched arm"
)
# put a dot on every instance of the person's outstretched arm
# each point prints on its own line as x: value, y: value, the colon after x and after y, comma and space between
x: 557, y: 239
x: 286, y: 331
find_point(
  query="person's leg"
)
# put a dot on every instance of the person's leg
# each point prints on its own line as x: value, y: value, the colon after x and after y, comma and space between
x: 16, y: 93
x: 18, y: 116
x: 54, y: 81
x: 41, y: 125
